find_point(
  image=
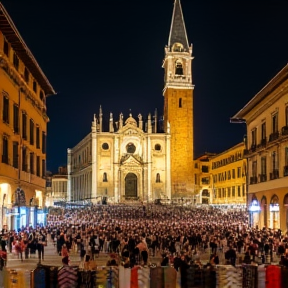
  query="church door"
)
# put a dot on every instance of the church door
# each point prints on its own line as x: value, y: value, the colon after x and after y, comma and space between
x: 131, y: 186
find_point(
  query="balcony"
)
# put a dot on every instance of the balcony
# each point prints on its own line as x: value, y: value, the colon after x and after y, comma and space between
x: 262, y: 177
x: 253, y: 148
x: 263, y: 143
x: 274, y: 136
x: 284, y: 130
x: 253, y: 180
x: 246, y: 152
x: 285, y: 172
x: 274, y: 174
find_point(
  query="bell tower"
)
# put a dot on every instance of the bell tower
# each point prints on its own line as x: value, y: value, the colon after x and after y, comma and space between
x: 178, y: 105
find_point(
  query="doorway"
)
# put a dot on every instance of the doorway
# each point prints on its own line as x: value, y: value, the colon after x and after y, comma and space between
x: 131, y: 186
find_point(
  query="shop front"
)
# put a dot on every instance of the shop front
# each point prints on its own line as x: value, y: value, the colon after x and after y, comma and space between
x: 274, y: 213
x: 254, y: 211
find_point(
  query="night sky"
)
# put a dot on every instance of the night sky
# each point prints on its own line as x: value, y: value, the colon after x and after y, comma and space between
x: 110, y: 53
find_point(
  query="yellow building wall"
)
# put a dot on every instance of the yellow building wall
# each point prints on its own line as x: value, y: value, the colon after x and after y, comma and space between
x: 20, y: 93
x: 222, y: 167
x: 181, y: 127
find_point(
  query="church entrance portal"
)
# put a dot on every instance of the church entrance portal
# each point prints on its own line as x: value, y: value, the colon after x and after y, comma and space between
x: 131, y: 186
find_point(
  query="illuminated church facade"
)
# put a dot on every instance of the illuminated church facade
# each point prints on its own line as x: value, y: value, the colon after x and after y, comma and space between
x: 139, y: 158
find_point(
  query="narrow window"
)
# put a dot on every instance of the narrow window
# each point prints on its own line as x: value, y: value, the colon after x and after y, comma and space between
x: 16, y: 119
x: 180, y: 102
x: 275, y: 123
x: 263, y: 131
x: 37, y: 137
x: 16, y: 61
x: 15, y: 154
x: 24, y: 159
x: 31, y: 132
x: 38, y: 166
x: 286, y: 116
x: 41, y: 96
x: 35, y: 86
x: 6, y: 47
x: 5, y: 150
x: 229, y: 192
x: 233, y: 173
x: 254, y: 169
x: 24, y: 125
x: 105, y: 177
x: 263, y: 166
x: 274, y: 160
x: 157, y: 178
x: 43, y: 168
x: 43, y: 143
x: 239, y: 191
x: 254, y: 138
x: 31, y: 163
x: 238, y: 172
x: 26, y: 75
x: 5, y: 109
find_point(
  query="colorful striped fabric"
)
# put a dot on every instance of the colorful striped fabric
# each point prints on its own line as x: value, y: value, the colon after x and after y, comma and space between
x: 67, y: 277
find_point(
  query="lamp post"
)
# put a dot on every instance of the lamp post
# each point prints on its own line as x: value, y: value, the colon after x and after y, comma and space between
x: 29, y: 216
x: 4, y: 196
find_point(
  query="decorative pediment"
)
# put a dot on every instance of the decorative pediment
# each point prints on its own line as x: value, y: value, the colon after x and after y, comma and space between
x: 130, y: 129
x: 131, y: 160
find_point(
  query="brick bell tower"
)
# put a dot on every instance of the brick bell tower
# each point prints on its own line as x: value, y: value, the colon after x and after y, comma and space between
x: 178, y: 105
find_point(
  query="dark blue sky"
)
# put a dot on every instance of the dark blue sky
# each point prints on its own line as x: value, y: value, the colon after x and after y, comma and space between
x: 110, y: 53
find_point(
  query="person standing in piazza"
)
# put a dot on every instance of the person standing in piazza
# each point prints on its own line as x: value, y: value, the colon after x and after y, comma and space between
x: 42, y: 242
x: 67, y: 277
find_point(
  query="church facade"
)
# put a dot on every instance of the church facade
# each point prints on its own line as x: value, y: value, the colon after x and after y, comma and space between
x: 140, y: 159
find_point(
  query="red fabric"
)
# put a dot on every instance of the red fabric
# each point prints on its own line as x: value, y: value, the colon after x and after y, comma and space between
x: 134, y: 277
x: 273, y: 277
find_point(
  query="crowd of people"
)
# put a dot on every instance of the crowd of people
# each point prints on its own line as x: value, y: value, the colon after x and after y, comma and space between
x: 134, y: 234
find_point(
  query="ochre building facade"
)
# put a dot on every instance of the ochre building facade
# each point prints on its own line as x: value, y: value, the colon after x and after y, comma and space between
x: 266, y: 117
x: 23, y: 129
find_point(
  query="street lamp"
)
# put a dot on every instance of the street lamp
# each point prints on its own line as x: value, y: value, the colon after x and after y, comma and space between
x: 29, y: 216
x: 4, y: 196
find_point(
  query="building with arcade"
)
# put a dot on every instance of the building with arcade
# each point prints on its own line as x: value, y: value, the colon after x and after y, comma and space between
x: 23, y: 129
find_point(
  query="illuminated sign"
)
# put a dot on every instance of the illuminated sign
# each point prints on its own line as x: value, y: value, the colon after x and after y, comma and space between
x: 274, y: 207
x: 254, y: 207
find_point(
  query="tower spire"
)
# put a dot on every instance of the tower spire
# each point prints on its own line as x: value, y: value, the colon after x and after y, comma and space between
x: 178, y: 29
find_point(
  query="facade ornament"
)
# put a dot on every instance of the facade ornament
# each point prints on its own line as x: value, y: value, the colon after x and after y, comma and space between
x: 100, y: 119
x: 111, y: 127
x: 120, y: 120
x: 140, y: 121
x: 149, y: 124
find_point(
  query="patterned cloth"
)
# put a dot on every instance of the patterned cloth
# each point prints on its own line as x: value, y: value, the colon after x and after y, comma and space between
x: 67, y: 277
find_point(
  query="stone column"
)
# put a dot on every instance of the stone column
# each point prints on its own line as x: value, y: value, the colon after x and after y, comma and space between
x: 149, y: 124
x: 149, y: 160
x: 94, y: 164
x: 168, y: 167
x: 69, y: 171
x: 116, y: 169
